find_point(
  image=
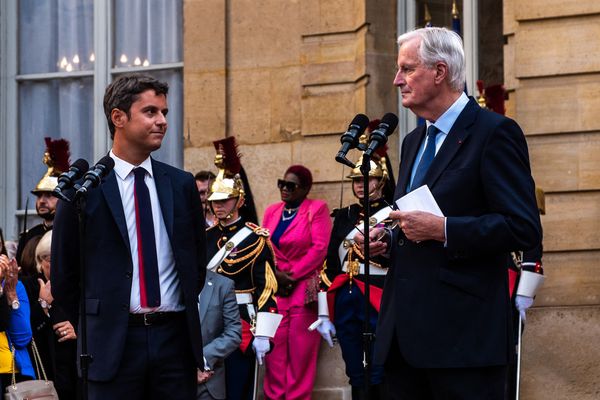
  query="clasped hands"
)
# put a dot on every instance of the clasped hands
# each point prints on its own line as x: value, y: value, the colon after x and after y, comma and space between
x: 285, y: 282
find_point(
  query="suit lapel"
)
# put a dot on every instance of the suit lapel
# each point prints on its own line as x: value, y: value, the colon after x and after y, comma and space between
x: 164, y: 189
x: 206, y: 295
x: 304, y: 208
x: 457, y: 136
x: 110, y: 189
x: 412, y: 148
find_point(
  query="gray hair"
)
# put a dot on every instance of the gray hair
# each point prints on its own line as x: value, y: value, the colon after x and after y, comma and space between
x: 441, y: 44
x: 43, y: 249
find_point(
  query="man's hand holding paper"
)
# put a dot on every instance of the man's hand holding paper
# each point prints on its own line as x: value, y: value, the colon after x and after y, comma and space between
x: 377, y: 245
x: 419, y: 216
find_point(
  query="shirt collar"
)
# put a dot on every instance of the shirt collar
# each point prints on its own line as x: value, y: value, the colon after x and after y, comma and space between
x: 448, y: 118
x: 124, y: 168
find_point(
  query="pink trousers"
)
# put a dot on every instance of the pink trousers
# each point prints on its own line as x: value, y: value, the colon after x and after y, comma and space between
x: 292, y: 365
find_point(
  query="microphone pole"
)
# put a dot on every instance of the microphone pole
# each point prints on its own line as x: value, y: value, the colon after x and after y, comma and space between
x: 377, y: 138
x: 84, y: 358
x: 368, y: 336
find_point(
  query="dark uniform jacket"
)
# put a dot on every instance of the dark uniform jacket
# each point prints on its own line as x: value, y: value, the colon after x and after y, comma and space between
x: 345, y: 220
x: 250, y: 265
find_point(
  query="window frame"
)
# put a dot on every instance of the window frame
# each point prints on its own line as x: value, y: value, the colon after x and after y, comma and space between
x: 10, y: 215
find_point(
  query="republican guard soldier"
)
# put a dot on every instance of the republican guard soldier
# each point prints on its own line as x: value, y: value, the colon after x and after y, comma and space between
x: 56, y: 158
x: 241, y: 251
x: 343, y: 275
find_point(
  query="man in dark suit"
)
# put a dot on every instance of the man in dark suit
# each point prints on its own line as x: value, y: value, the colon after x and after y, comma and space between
x: 145, y: 258
x: 444, y: 329
x: 221, y: 333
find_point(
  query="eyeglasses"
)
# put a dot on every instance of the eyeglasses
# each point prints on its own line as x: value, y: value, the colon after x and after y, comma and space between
x: 289, y: 186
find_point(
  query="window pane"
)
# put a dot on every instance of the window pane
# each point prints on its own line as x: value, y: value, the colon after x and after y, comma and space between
x: 147, y: 32
x: 55, y: 36
x: 437, y: 13
x: 491, y: 42
x: 58, y: 109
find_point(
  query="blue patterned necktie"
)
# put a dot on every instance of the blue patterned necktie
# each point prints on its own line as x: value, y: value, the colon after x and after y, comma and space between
x: 148, y: 263
x: 426, y: 158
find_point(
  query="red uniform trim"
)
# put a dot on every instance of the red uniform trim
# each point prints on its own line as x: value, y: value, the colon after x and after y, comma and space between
x: 375, y: 292
x: 512, y: 281
x: 246, y: 336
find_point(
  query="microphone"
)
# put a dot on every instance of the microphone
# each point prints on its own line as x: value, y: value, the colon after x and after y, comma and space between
x: 93, y: 176
x: 350, y: 138
x: 380, y: 135
x: 67, y: 179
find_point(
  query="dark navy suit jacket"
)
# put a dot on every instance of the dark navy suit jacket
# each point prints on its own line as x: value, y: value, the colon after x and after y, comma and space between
x: 449, y: 306
x: 109, y: 268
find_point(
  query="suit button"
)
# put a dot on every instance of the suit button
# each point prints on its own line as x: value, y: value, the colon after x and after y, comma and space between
x: 128, y: 274
x: 401, y: 242
x: 124, y: 306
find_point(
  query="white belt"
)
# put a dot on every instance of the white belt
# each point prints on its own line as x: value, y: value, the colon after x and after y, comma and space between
x: 243, y: 298
x: 374, y: 270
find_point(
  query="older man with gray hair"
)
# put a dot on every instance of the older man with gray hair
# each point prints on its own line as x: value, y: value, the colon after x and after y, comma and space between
x: 444, y: 329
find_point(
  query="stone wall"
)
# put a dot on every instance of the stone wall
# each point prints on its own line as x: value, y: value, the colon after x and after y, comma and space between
x: 285, y: 78
x: 552, y: 70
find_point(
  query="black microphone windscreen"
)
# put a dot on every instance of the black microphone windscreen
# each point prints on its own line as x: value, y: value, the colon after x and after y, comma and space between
x: 361, y: 120
x: 81, y: 164
x: 107, y: 162
x: 392, y: 120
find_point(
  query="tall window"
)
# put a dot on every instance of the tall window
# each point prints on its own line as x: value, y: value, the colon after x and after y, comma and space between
x: 66, y: 52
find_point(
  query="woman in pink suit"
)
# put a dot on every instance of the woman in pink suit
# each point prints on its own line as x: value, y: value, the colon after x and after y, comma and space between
x: 300, y: 230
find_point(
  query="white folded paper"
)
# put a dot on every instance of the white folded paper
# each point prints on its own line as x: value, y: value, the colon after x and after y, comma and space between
x: 419, y: 199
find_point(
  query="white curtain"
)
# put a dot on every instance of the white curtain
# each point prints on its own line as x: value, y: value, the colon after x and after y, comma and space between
x: 57, y: 36
x: 151, y: 31
x: 54, y: 36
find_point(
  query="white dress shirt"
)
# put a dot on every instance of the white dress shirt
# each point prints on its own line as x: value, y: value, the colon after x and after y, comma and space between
x: 171, y: 298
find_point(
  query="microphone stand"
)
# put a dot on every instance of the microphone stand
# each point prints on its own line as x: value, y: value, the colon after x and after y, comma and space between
x: 84, y: 358
x: 368, y: 336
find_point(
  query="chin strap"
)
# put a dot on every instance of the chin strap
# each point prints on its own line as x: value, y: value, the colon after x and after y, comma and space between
x: 230, y: 213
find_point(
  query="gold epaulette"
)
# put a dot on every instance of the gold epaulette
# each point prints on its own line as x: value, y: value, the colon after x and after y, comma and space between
x: 323, y: 274
x: 260, y: 231
x: 270, y: 286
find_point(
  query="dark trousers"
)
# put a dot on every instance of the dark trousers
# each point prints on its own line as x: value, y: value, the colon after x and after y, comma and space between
x: 239, y: 375
x: 157, y: 363
x: 408, y: 383
x: 349, y: 320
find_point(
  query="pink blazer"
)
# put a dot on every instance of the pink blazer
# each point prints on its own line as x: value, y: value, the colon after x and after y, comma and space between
x: 302, y: 247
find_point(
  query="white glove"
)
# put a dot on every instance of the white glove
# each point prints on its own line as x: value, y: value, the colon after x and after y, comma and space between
x: 261, y: 346
x: 325, y: 327
x: 523, y: 303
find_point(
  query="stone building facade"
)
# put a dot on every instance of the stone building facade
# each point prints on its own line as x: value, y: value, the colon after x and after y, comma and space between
x: 286, y: 77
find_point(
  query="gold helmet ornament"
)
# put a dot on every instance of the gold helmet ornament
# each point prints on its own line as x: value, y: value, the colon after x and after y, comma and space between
x: 378, y: 163
x: 228, y: 183
x: 56, y: 158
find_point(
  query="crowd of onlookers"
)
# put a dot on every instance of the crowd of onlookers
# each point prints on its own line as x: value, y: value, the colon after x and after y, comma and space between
x: 28, y: 319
